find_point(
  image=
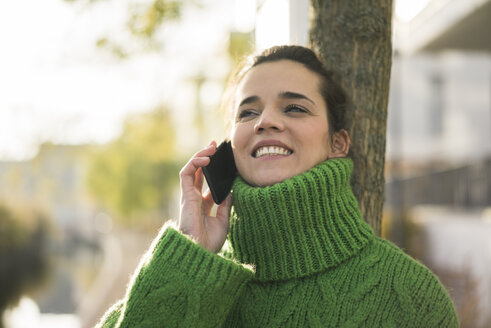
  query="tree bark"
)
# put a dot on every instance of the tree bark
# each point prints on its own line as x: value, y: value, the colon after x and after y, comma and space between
x: 353, y: 38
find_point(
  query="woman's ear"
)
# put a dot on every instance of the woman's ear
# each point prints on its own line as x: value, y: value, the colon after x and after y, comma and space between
x: 340, y: 144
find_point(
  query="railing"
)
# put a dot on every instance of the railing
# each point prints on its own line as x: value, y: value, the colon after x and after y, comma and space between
x: 465, y: 187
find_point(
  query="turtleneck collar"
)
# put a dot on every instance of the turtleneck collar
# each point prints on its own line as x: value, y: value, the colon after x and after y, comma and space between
x: 300, y: 226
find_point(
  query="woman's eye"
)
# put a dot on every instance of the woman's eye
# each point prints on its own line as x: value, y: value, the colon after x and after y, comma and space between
x: 295, y: 109
x: 246, y: 113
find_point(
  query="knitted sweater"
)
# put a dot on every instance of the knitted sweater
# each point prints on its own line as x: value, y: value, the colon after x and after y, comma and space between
x: 316, y: 263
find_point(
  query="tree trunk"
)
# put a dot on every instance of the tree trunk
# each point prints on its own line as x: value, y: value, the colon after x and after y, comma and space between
x: 353, y: 38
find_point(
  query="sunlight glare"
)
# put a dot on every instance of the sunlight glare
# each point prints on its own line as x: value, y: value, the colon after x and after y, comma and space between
x: 272, y: 24
x: 244, y: 15
x: 406, y: 10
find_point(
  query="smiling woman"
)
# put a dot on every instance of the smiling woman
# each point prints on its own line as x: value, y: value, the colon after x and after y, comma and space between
x: 281, y: 125
x: 293, y: 219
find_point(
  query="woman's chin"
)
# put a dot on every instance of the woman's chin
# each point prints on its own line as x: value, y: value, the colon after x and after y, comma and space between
x: 267, y: 180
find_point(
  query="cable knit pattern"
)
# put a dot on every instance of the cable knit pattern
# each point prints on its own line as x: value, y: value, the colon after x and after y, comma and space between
x: 317, y: 264
x: 179, y: 284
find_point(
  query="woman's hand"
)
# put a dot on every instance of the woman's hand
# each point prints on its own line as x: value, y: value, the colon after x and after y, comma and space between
x: 194, y: 220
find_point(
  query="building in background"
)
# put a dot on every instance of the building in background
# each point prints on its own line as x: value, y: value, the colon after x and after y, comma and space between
x: 440, y: 103
x: 438, y: 159
x: 53, y: 183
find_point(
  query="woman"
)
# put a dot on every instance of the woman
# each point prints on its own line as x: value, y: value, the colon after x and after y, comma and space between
x: 301, y: 254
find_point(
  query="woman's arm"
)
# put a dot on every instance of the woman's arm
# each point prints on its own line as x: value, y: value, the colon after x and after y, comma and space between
x: 425, y: 301
x: 432, y: 303
x: 179, y: 284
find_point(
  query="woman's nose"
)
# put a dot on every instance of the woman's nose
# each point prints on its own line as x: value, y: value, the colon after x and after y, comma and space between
x: 269, y: 120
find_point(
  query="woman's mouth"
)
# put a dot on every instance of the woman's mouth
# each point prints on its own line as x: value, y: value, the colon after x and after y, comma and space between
x: 271, y: 151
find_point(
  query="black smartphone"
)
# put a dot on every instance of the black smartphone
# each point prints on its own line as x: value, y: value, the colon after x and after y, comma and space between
x: 221, y: 172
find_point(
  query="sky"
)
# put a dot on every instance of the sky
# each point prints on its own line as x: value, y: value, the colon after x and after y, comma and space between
x: 50, y: 79
x: 57, y: 86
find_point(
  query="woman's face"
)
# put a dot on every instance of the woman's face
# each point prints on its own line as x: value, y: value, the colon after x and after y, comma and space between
x: 280, y: 123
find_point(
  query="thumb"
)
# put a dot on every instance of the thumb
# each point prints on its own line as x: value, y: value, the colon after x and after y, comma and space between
x: 223, y: 210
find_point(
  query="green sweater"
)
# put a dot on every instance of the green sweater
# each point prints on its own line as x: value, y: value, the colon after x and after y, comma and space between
x: 315, y: 263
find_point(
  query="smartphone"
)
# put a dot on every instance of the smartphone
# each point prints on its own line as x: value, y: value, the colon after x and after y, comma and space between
x: 221, y: 172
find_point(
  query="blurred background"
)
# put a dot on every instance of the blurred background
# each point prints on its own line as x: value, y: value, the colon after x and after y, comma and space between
x: 103, y: 101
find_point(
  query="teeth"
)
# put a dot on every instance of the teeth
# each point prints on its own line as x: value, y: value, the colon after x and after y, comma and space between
x: 272, y: 151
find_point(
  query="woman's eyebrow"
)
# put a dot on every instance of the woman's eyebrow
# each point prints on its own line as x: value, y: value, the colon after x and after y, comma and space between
x: 249, y: 100
x: 294, y: 95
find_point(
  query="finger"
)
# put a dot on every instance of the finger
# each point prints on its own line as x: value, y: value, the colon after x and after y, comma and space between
x: 198, y: 179
x: 207, y: 202
x: 223, y: 211
x: 224, y: 207
x: 207, y: 151
x: 187, y: 174
x: 193, y: 164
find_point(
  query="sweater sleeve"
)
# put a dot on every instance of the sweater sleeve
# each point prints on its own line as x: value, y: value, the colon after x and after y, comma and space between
x: 423, y: 299
x: 431, y: 301
x: 179, y: 284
